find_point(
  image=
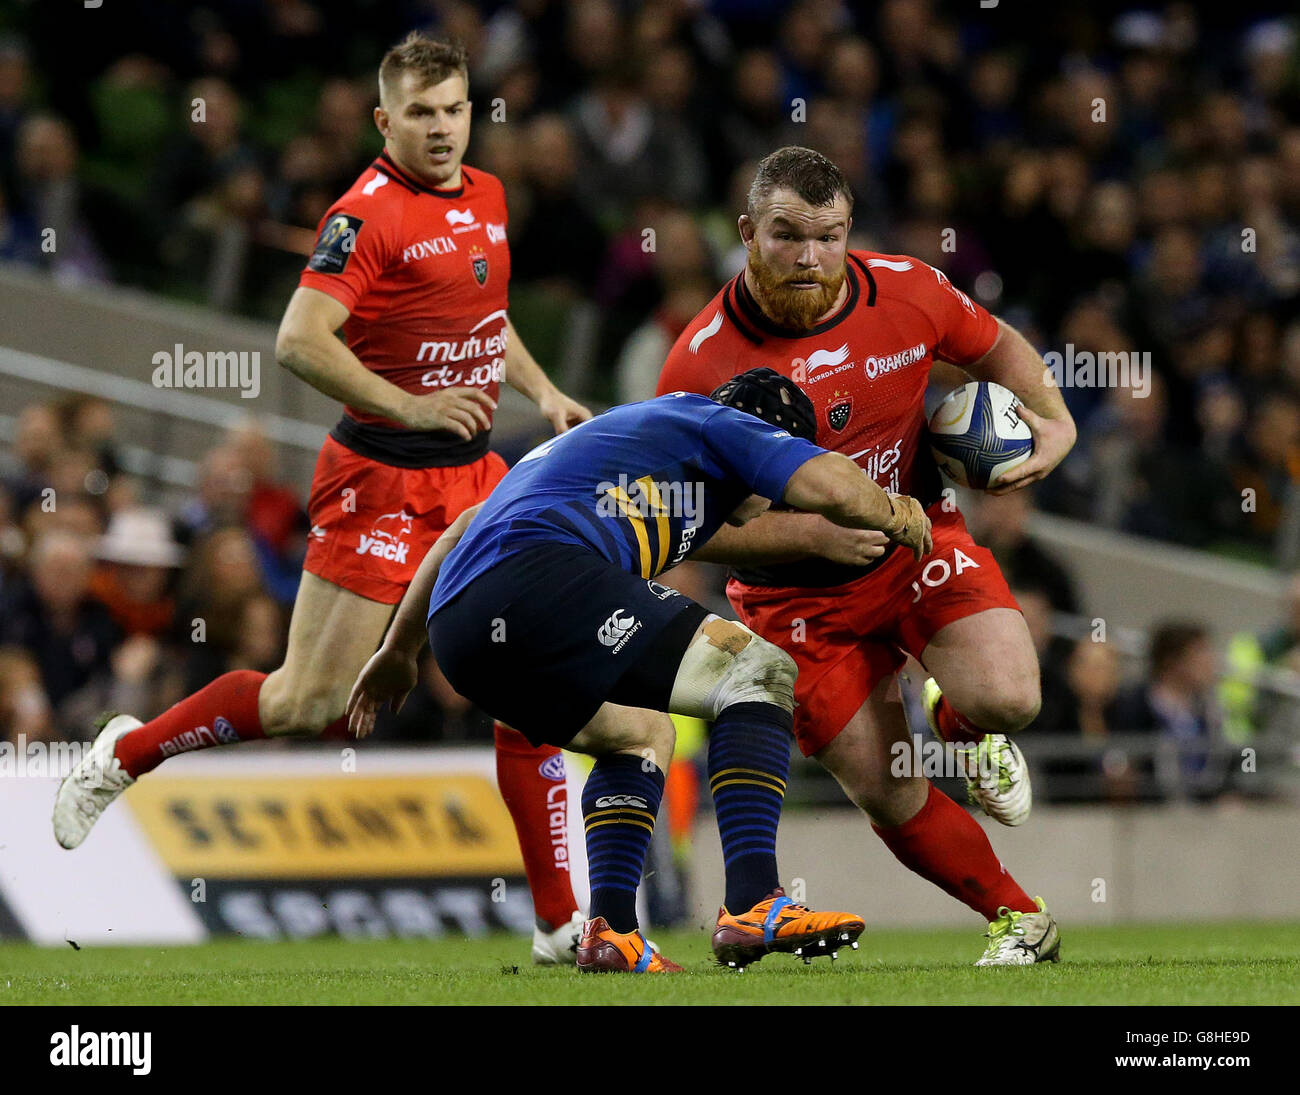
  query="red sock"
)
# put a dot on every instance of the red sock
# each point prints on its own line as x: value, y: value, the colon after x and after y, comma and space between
x: 946, y: 846
x: 532, y: 783
x: 953, y: 726
x: 223, y: 713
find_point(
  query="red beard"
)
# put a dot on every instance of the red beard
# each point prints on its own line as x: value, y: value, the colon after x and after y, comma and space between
x: 796, y: 309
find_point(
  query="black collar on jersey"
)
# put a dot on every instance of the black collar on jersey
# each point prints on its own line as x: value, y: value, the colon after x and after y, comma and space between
x: 385, y: 164
x: 752, y: 322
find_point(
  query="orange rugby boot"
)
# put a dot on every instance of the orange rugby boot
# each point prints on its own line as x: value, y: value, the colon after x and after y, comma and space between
x: 779, y: 925
x: 603, y: 950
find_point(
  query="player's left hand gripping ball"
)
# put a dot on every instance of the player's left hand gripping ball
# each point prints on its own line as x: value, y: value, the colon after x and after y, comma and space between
x: 1053, y: 440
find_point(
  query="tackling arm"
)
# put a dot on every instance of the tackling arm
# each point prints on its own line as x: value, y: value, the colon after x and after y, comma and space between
x: 391, y: 672
x: 863, y: 518
x: 407, y: 633
x: 769, y: 538
x: 835, y: 490
x: 834, y: 486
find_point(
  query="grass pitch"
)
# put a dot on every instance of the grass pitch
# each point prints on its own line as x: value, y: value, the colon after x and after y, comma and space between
x: 1170, y: 964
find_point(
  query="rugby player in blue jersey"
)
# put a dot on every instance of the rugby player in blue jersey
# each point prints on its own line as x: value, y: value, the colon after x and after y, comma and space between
x: 541, y: 607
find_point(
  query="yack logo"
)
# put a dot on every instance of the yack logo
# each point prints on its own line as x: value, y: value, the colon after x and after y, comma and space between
x: 460, y: 216
x: 615, y: 631
x: 384, y: 540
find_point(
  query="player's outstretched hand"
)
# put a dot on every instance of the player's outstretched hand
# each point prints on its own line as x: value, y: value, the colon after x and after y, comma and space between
x: 909, y: 525
x: 561, y: 411
x: 388, y: 677
x: 853, y: 547
x: 463, y: 411
x: 1053, y: 440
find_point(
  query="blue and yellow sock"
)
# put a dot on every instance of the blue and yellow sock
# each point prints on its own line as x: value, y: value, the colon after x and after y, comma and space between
x: 620, y: 802
x: 749, y: 761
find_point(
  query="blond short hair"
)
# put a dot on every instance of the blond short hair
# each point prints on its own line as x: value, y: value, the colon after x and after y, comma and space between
x: 431, y: 61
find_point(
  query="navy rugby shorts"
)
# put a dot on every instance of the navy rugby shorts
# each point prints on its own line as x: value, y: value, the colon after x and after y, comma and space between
x: 553, y: 631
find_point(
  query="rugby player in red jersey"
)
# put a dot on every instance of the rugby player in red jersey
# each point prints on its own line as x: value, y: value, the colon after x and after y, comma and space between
x: 859, y: 332
x: 412, y: 263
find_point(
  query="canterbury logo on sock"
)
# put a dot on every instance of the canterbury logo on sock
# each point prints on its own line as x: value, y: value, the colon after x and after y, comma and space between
x: 621, y: 800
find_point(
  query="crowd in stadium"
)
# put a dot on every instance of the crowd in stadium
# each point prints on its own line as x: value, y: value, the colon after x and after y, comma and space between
x: 1131, y: 185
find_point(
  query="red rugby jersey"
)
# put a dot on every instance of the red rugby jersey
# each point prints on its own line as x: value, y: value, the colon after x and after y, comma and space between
x: 865, y: 370
x: 423, y: 273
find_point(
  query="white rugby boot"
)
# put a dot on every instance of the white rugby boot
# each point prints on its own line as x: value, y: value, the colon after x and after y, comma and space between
x: 559, y: 947
x: 1022, y: 938
x: 96, y: 781
x: 997, y: 777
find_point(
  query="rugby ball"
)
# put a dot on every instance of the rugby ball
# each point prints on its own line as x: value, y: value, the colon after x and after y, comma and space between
x: 977, y: 436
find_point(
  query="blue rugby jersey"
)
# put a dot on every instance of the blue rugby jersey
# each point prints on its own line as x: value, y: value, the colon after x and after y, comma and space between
x: 641, y: 486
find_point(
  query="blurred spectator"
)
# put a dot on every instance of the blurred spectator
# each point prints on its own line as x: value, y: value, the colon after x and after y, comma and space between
x: 1250, y: 706
x: 15, y: 94
x: 260, y: 642
x: 557, y: 242
x: 88, y: 424
x: 629, y: 152
x: 237, y: 489
x: 68, y: 213
x: 1265, y: 466
x: 1178, y: 704
x: 54, y: 616
x: 37, y: 441
x: 222, y: 578
x: 272, y: 510
x: 20, y: 239
x: 642, y: 359
x: 1085, y: 713
x: 24, y: 707
x: 213, y: 149
x: 753, y: 121
x: 1001, y: 523
x: 224, y: 486
x: 138, y: 561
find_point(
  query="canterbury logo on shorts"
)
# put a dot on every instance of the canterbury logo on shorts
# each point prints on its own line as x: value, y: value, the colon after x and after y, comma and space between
x: 616, y: 628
